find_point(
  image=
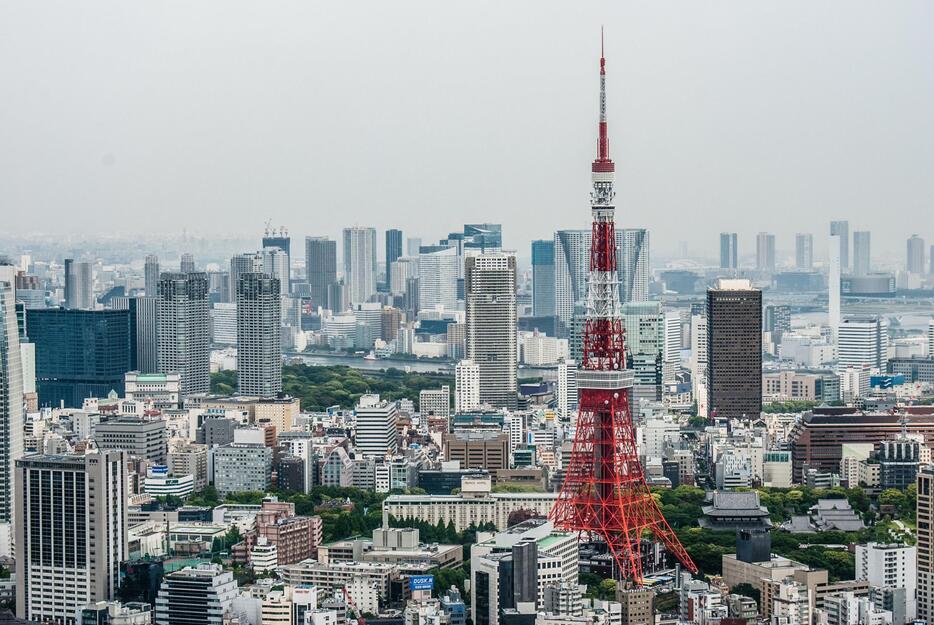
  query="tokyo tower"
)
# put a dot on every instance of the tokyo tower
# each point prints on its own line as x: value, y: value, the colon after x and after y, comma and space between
x: 604, y: 492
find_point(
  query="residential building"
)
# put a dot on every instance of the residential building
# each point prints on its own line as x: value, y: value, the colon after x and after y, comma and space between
x: 189, y: 459
x: 490, y: 304
x: 360, y: 263
x: 892, y: 566
x: 12, y: 413
x: 728, y: 252
x: 842, y: 230
x: 915, y: 255
x: 259, y: 342
x: 435, y: 403
x: 79, y: 285
x: 63, y: 566
x: 862, y: 259
x: 151, y: 275
x: 466, y: 386
x: 765, y: 252
x: 804, y: 251
x: 184, y: 338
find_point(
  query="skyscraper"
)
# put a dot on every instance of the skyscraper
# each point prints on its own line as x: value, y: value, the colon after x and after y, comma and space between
x: 842, y: 229
x: 79, y: 353
x: 490, y: 304
x: 186, y: 263
x: 11, y: 403
x: 765, y: 251
x: 634, y: 274
x: 543, y: 278
x: 249, y: 262
x: 734, y: 350
x: 184, y: 336
x: 259, y: 341
x: 276, y: 265
x: 483, y: 237
x: 572, y: 266
x: 79, y: 285
x: 360, y: 263
x: 925, y: 542
x: 393, y: 249
x: 915, y: 248
x: 729, y: 258
x: 72, y: 533
x: 804, y: 251
x: 835, y: 245
x: 437, y: 270
x: 151, y: 275
x: 862, y: 264
x: 280, y: 239
x: 144, y: 330
x: 320, y: 268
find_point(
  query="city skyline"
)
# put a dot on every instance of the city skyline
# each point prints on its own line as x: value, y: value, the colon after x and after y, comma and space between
x: 110, y: 165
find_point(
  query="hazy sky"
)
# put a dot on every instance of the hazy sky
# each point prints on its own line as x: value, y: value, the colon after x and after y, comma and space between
x: 742, y: 115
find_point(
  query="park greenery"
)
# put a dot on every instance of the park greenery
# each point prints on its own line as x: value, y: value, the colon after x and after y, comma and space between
x: 321, y: 387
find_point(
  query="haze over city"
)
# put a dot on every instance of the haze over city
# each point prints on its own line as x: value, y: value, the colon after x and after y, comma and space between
x: 215, y: 116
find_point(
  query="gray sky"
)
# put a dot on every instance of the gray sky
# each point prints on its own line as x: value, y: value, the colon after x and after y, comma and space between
x: 154, y: 116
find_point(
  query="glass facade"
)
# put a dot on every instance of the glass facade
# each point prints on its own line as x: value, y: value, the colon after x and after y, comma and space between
x: 79, y: 353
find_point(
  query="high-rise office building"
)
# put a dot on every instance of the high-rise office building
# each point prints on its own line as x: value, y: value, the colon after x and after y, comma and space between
x: 72, y: 533
x: 804, y: 251
x: 633, y: 263
x: 572, y: 269
x: 863, y: 342
x: 259, y: 341
x: 543, y: 278
x: 79, y: 353
x: 250, y: 262
x: 186, y: 263
x: 412, y: 245
x: 11, y: 403
x: 483, y: 237
x: 734, y: 350
x: 276, y: 265
x: 915, y: 250
x: 321, y: 269
x: 729, y: 256
x: 151, y: 275
x: 393, y: 249
x: 925, y: 543
x: 144, y: 330
x: 765, y: 251
x: 375, y: 429
x: 490, y: 304
x: 199, y: 595
x: 360, y: 263
x: 79, y: 285
x: 862, y: 264
x: 437, y: 271
x: 403, y: 269
x: 566, y: 389
x: 184, y: 331
x: 842, y: 229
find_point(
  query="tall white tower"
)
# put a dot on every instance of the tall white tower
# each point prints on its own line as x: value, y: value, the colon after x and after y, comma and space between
x: 833, y: 286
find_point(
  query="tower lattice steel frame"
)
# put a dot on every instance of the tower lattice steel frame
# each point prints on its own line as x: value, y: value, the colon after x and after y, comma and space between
x: 604, y: 492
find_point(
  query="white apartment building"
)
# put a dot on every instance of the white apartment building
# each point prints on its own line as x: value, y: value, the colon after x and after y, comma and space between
x: 466, y: 386
x: 375, y: 426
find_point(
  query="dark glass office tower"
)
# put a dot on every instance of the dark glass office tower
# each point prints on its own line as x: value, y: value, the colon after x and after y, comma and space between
x: 321, y: 268
x: 79, y: 353
x: 393, y: 249
x: 734, y: 350
x: 543, y: 278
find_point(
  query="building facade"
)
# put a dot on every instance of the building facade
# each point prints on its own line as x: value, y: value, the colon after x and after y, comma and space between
x: 184, y: 336
x: 259, y: 341
x: 734, y: 350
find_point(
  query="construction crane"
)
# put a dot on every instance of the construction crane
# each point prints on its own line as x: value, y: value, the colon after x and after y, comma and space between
x: 353, y: 608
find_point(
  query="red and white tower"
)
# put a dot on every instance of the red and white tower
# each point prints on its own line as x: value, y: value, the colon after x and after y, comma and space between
x: 604, y: 491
